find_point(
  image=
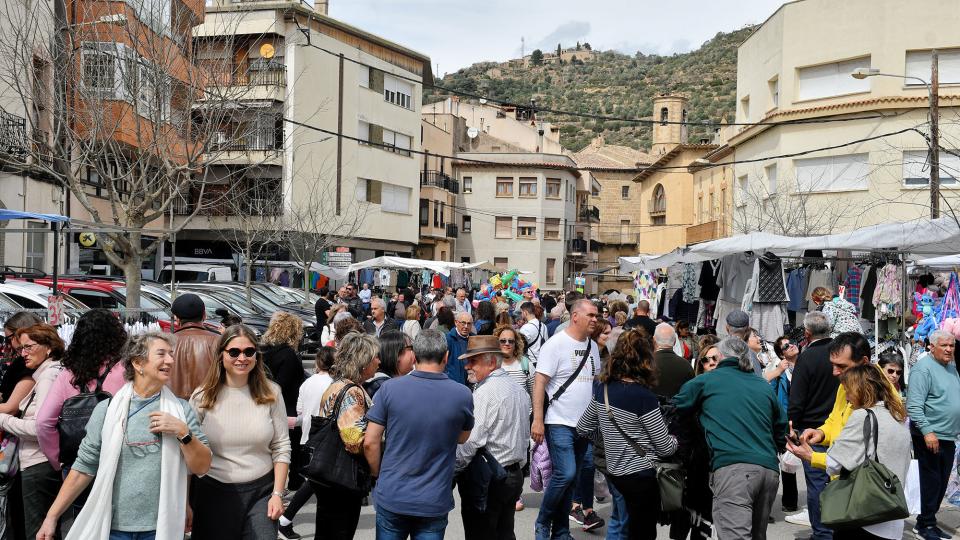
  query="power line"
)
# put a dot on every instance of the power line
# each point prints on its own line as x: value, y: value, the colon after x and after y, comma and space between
x: 591, y: 116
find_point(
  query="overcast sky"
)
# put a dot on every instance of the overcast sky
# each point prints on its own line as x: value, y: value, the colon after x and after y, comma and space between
x: 457, y: 33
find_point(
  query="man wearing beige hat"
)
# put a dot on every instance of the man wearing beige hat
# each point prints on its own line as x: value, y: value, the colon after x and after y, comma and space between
x: 501, y: 409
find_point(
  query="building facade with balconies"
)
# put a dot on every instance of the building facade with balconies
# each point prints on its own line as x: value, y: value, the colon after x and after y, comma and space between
x: 302, y: 78
x: 519, y: 211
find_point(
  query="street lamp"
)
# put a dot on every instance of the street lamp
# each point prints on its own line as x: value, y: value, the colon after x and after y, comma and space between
x: 933, y: 100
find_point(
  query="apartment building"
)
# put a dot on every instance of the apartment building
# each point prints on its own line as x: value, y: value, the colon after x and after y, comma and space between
x: 518, y: 211
x: 713, y: 196
x: 302, y: 77
x: 517, y: 126
x: 798, y: 66
x: 613, y: 229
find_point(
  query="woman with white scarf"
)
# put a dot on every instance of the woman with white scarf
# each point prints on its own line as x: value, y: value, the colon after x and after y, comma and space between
x: 140, y: 447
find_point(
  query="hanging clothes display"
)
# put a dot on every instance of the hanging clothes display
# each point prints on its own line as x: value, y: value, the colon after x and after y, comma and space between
x: 868, y: 288
x: 852, y: 286
x: 735, y: 270
x: 645, y: 283
x: 887, y: 296
x: 819, y: 277
x: 709, y: 289
x: 436, y: 282
x: 769, y: 300
x: 691, y: 291
x: 403, y: 279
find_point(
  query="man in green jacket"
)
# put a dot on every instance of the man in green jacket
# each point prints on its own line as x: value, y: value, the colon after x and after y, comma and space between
x: 744, y: 426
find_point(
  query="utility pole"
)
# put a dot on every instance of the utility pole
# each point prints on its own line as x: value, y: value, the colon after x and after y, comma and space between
x: 934, y: 135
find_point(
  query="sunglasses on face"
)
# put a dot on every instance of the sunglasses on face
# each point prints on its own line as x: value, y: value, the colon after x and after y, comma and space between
x: 249, y: 352
x: 507, y: 341
x: 892, y: 371
x: 712, y: 358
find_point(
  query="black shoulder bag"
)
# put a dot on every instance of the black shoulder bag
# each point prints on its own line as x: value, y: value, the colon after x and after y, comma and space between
x: 76, y: 412
x: 568, y: 382
x: 670, y: 476
x: 328, y: 462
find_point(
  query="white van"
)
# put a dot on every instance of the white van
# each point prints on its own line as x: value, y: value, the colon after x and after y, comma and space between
x: 187, y: 273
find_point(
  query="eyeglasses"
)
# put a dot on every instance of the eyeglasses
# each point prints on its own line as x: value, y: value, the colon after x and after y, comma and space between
x: 891, y: 371
x: 463, y: 322
x: 249, y: 352
x: 26, y: 348
x: 507, y: 341
x: 712, y: 357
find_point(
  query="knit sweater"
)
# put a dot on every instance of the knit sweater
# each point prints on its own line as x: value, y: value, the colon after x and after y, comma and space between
x: 933, y: 398
x: 25, y: 427
x: 246, y: 438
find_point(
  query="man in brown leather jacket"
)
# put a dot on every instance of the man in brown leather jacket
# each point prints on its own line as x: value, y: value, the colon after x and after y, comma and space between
x: 196, y: 345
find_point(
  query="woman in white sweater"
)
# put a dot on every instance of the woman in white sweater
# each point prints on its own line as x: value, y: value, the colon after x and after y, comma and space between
x: 868, y: 390
x: 244, y: 418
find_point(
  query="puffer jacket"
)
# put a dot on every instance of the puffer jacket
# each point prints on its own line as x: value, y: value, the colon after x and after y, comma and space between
x: 196, y: 349
x: 541, y: 468
x: 842, y: 316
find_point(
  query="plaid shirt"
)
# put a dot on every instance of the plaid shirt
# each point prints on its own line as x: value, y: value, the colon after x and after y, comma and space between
x: 852, y: 284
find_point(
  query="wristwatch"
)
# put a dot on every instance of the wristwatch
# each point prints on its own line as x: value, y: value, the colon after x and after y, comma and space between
x: 277, y: 494
x: 186, y: 439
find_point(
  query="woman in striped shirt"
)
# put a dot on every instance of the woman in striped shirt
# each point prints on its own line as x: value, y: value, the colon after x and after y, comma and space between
x: 632, y: 429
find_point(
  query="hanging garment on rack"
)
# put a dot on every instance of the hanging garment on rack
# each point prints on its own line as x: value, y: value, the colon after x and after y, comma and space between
x: 768, y: 319
x: 709, y: 289
x: 887, y: 296
x: 723, y: 309
x: 705, y: 314
x: 661, y: 307
x: 852, y: 286
x: 735, y: 270
x: 868, y: 288
x: 275, y: 275
x: 819, y: 277
x: 403, y: 279
x: 691, y: 291
x: 284, y: 278
x: 385, y: 277
x: 436, y: 282
x: 645, y: 284
x: 768, y: 279
x: 674, y: 278
x: 796, y: 289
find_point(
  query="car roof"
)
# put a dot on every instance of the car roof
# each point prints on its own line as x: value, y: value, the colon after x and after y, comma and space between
x: 69, y: 284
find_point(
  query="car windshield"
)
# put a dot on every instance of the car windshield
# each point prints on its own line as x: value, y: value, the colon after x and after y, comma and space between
x: 147, y: 301
x: 276, y: 294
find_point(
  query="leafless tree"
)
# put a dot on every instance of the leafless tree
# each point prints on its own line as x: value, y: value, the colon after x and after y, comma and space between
x: 120, y: 114
x: 785, y: 210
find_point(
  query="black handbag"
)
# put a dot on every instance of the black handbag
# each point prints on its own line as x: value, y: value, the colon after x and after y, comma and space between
x: 76, y: 412
x: 328, y: 462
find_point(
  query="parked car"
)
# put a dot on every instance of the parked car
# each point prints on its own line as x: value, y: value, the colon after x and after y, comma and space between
x: 110, y: 295
x: 192, y: 273
x: 27, y: 295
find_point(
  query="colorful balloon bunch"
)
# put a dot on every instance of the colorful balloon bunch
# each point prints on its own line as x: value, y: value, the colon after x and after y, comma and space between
x: 509, y: 284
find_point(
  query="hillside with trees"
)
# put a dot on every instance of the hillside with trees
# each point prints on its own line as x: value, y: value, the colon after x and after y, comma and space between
x: 612, y: 84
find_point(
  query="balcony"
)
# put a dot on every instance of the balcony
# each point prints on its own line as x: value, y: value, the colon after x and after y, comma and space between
x: 216, y: 201
x: 703, y: 232
x: 452, y: 230
x: 439, y: 180
x: 13, y: 140
x: 589, y: 214
x: 250, y: 84
x: 657, y: 208
x: 615, y: 239
x: 249, y: 146
x: 577, y: 246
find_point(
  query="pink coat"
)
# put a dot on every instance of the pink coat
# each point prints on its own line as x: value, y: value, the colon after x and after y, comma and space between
x: 541, y: 468
x: 49, y: 412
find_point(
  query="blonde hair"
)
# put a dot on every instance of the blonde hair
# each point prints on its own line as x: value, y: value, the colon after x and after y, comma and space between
x: 285, y: 329
x: 353, y: 355
x: 518, y: 343
x: 413, y: 312
x: 821, y: 295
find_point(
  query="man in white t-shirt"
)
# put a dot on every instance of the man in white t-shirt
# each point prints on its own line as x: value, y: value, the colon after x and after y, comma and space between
x: 559, y: 359
x: 534, y: 332
x: 365, y: 295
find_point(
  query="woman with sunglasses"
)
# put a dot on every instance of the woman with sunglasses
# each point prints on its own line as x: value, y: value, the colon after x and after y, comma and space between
x: 891, y: 364
x: 515, y: 362
x: 709, y: 358
x: 245, y: 419
x: 787, y: 353
x: 140, y: 447
x: 396, y: 359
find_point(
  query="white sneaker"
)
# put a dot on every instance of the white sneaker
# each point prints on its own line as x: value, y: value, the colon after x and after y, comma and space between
x: 800, y: 518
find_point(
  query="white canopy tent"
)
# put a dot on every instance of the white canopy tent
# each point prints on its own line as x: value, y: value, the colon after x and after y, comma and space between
x: 337, y: 274
x: 403, y: 263
x: 946, y: 262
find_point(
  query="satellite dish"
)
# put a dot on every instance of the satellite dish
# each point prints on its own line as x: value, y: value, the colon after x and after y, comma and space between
x: 473, y: 132
x: 267, y: 50
x: 483, y: 101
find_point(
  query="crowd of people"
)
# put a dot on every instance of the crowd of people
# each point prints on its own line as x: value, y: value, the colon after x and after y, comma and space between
x: 210, y: 430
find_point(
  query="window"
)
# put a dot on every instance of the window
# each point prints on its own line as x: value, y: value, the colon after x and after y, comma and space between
x: 551, y: 229
x: 99, y: 71
x: 436, y: 213
x: 658, y: 220
x: 504, y: 187
x: 465, y: 260
x: 504, y: 227
x: 723, y: 202
x: 390, y: 197
x: 919, y: 63
x: 743, y: 184
x: 467, y: 184
x: 664, y: 115
x: 501, y: 263
x: 396, y: 142
x: 833, y: 173
x: 95, y: 299
x: 398, y: 91
x: 36, y: 246
x: 916, y: 168
x: 551, y: 271
x: 363, y: 75
x: 700, y: 215
x: 528, y: 187
x: 526, y: 227
x: 771, y: 171
x: 624, y: 228
x: 659, y: 202
x: 832, y: 79
x: 624, y: 192
x: 553, y: 188
x: 467, y: 224
x: 745, y: 107
x: 424, y: 212
x: 773, y: 85
x: 595, y: 190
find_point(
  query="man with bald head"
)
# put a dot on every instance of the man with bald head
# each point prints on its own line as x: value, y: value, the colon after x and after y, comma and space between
x: 641, y: 318
x: 672, y: 370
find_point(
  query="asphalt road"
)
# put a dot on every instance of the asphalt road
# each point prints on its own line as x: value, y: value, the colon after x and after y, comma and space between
x: 780, y: 530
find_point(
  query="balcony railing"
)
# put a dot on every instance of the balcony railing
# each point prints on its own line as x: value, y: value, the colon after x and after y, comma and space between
x: 589, y: 213
x: 703, y: 232
x: 13, y: 139
x: 621, y: 238
x: 657, y: 207
x: 254, y: 77
x: 260, y: 139
x: 216, y: 202
x: 440, y: 180
x: 452, y: 231
x: 576, y: 246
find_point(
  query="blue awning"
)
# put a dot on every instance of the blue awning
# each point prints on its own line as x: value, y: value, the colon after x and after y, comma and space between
x: 15, y: 214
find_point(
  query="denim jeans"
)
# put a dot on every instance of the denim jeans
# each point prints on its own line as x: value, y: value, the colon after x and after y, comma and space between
x: 123, y: 535
x: 583, y: 489
x: 392, y: 526
x: 617, y: 526
x: 816, y: 480
x: 934, y: 476
x: 566, y: 454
